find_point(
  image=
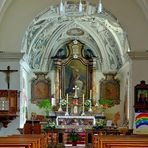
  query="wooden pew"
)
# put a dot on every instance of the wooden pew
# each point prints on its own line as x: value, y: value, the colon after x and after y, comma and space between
x: 25, y: 141
x: 42, y: 140
x: 17, y: 142
x: 108, y: 141
x: 95, y: 141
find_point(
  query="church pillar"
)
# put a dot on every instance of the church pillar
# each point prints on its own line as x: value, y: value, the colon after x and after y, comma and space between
x: 93, y: 81
x: 57, y: 80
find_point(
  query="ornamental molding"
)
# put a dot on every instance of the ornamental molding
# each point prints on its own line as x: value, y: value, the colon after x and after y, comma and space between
x: 138, y: 55
x: 10, y: 56
x: 51, y: 30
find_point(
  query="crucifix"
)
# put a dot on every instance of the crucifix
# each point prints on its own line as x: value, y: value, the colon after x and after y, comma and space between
x: 76, y: 88
x: 8, y: 72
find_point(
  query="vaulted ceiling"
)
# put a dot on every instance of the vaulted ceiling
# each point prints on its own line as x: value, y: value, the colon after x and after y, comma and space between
x: 16, y: 15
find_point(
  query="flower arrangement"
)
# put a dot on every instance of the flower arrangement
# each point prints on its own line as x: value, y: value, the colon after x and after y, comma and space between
x: 46, y: 105
x: 50, y: 125
x: 63, y: 103
x: 100, y: 123
x: 87, y: 104
x: 104, y: 104
x: 74, y: 136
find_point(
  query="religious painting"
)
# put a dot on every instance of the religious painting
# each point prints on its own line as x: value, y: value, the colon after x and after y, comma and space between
x: 40, y: 88
x: 75, y: 74
x: 110, y: 89
x: 141, y: 97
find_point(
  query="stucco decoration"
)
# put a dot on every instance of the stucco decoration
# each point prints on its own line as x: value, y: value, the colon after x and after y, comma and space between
x: 52, y: 29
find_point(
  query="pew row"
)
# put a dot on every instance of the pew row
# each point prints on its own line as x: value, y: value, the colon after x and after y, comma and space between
x: 24, y: 141
x: 124, y: 141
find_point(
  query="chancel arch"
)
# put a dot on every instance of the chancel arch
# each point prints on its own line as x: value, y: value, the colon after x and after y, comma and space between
x: 105, y: 42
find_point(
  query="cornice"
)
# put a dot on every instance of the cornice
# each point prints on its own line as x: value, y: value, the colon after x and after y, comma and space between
x: 138, y: 55
x: 10, y: 56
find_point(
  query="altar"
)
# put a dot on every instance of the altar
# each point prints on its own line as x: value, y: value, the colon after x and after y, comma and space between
x: 84, y: 122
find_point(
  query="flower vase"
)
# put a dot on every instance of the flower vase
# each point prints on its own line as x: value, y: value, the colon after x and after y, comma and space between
x: 74, y: 143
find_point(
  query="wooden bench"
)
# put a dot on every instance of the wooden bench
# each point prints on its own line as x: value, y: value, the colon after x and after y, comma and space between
x: 42, y: 140
x: 25, y: 141
x: 17, y: 142
x: 113, y: 141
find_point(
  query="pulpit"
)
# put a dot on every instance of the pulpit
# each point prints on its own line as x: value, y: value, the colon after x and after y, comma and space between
x: 8, y: 105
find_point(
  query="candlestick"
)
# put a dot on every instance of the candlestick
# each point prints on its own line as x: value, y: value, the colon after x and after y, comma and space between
x: 90, y: 109
x: 53, y: 101
x: 60, y: 94
x: 90, y: 93
x: 67, y: 114
x: 83, y: 107
x: 60, y: 108
x: 97, y: 100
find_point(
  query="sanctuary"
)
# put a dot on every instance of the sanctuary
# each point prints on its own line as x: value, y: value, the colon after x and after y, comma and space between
x: 77, y: 59
x: 78, y: 83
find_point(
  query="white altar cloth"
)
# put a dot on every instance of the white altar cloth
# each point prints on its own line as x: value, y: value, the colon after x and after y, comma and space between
x: 75, y: 120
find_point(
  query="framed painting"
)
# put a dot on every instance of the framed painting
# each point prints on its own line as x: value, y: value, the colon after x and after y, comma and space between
x: 75, y: 70
x: 110, y: 89
x: 75, y: 74
x: 40, y: 88
x: 141, y: 97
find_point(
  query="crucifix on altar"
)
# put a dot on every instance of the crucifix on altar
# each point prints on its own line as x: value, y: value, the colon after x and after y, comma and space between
x: 8, y: 72
x: 76, y: 88
x: 75, y: 100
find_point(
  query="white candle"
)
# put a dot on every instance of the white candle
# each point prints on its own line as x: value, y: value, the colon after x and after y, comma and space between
x: 53, y: 101
x: 60, y: 94
x: 90, y: 93
x: 67, y: 99
x: 83, y: 101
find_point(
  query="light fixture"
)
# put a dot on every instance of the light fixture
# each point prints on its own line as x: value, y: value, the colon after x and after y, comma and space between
x: 80, y: 6
x: 62, y: 9
x: 100, y: 7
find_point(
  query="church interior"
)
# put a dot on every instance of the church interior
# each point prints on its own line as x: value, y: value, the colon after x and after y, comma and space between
x: 73, y: 73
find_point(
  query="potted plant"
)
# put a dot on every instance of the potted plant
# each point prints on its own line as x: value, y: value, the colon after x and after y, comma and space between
x: 87, y: 104
x: 74, y: 137
x: 46, y: 105
x: 50, y: 125
x: 101, y: 123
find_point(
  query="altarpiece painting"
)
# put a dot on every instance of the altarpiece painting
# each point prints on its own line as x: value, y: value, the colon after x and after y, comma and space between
x: 74, y: 70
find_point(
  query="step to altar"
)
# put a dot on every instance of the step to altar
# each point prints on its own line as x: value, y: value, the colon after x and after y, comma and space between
x: 77, y: 146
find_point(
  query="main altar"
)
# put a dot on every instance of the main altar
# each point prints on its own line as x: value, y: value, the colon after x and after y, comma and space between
x: 75, y: 116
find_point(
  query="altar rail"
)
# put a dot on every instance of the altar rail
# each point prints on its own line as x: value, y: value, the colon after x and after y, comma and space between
x: 122, y: 141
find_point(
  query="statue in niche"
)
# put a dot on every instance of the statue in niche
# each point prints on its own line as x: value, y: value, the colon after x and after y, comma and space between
x: 88, y: 54
x: 61, y: 54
